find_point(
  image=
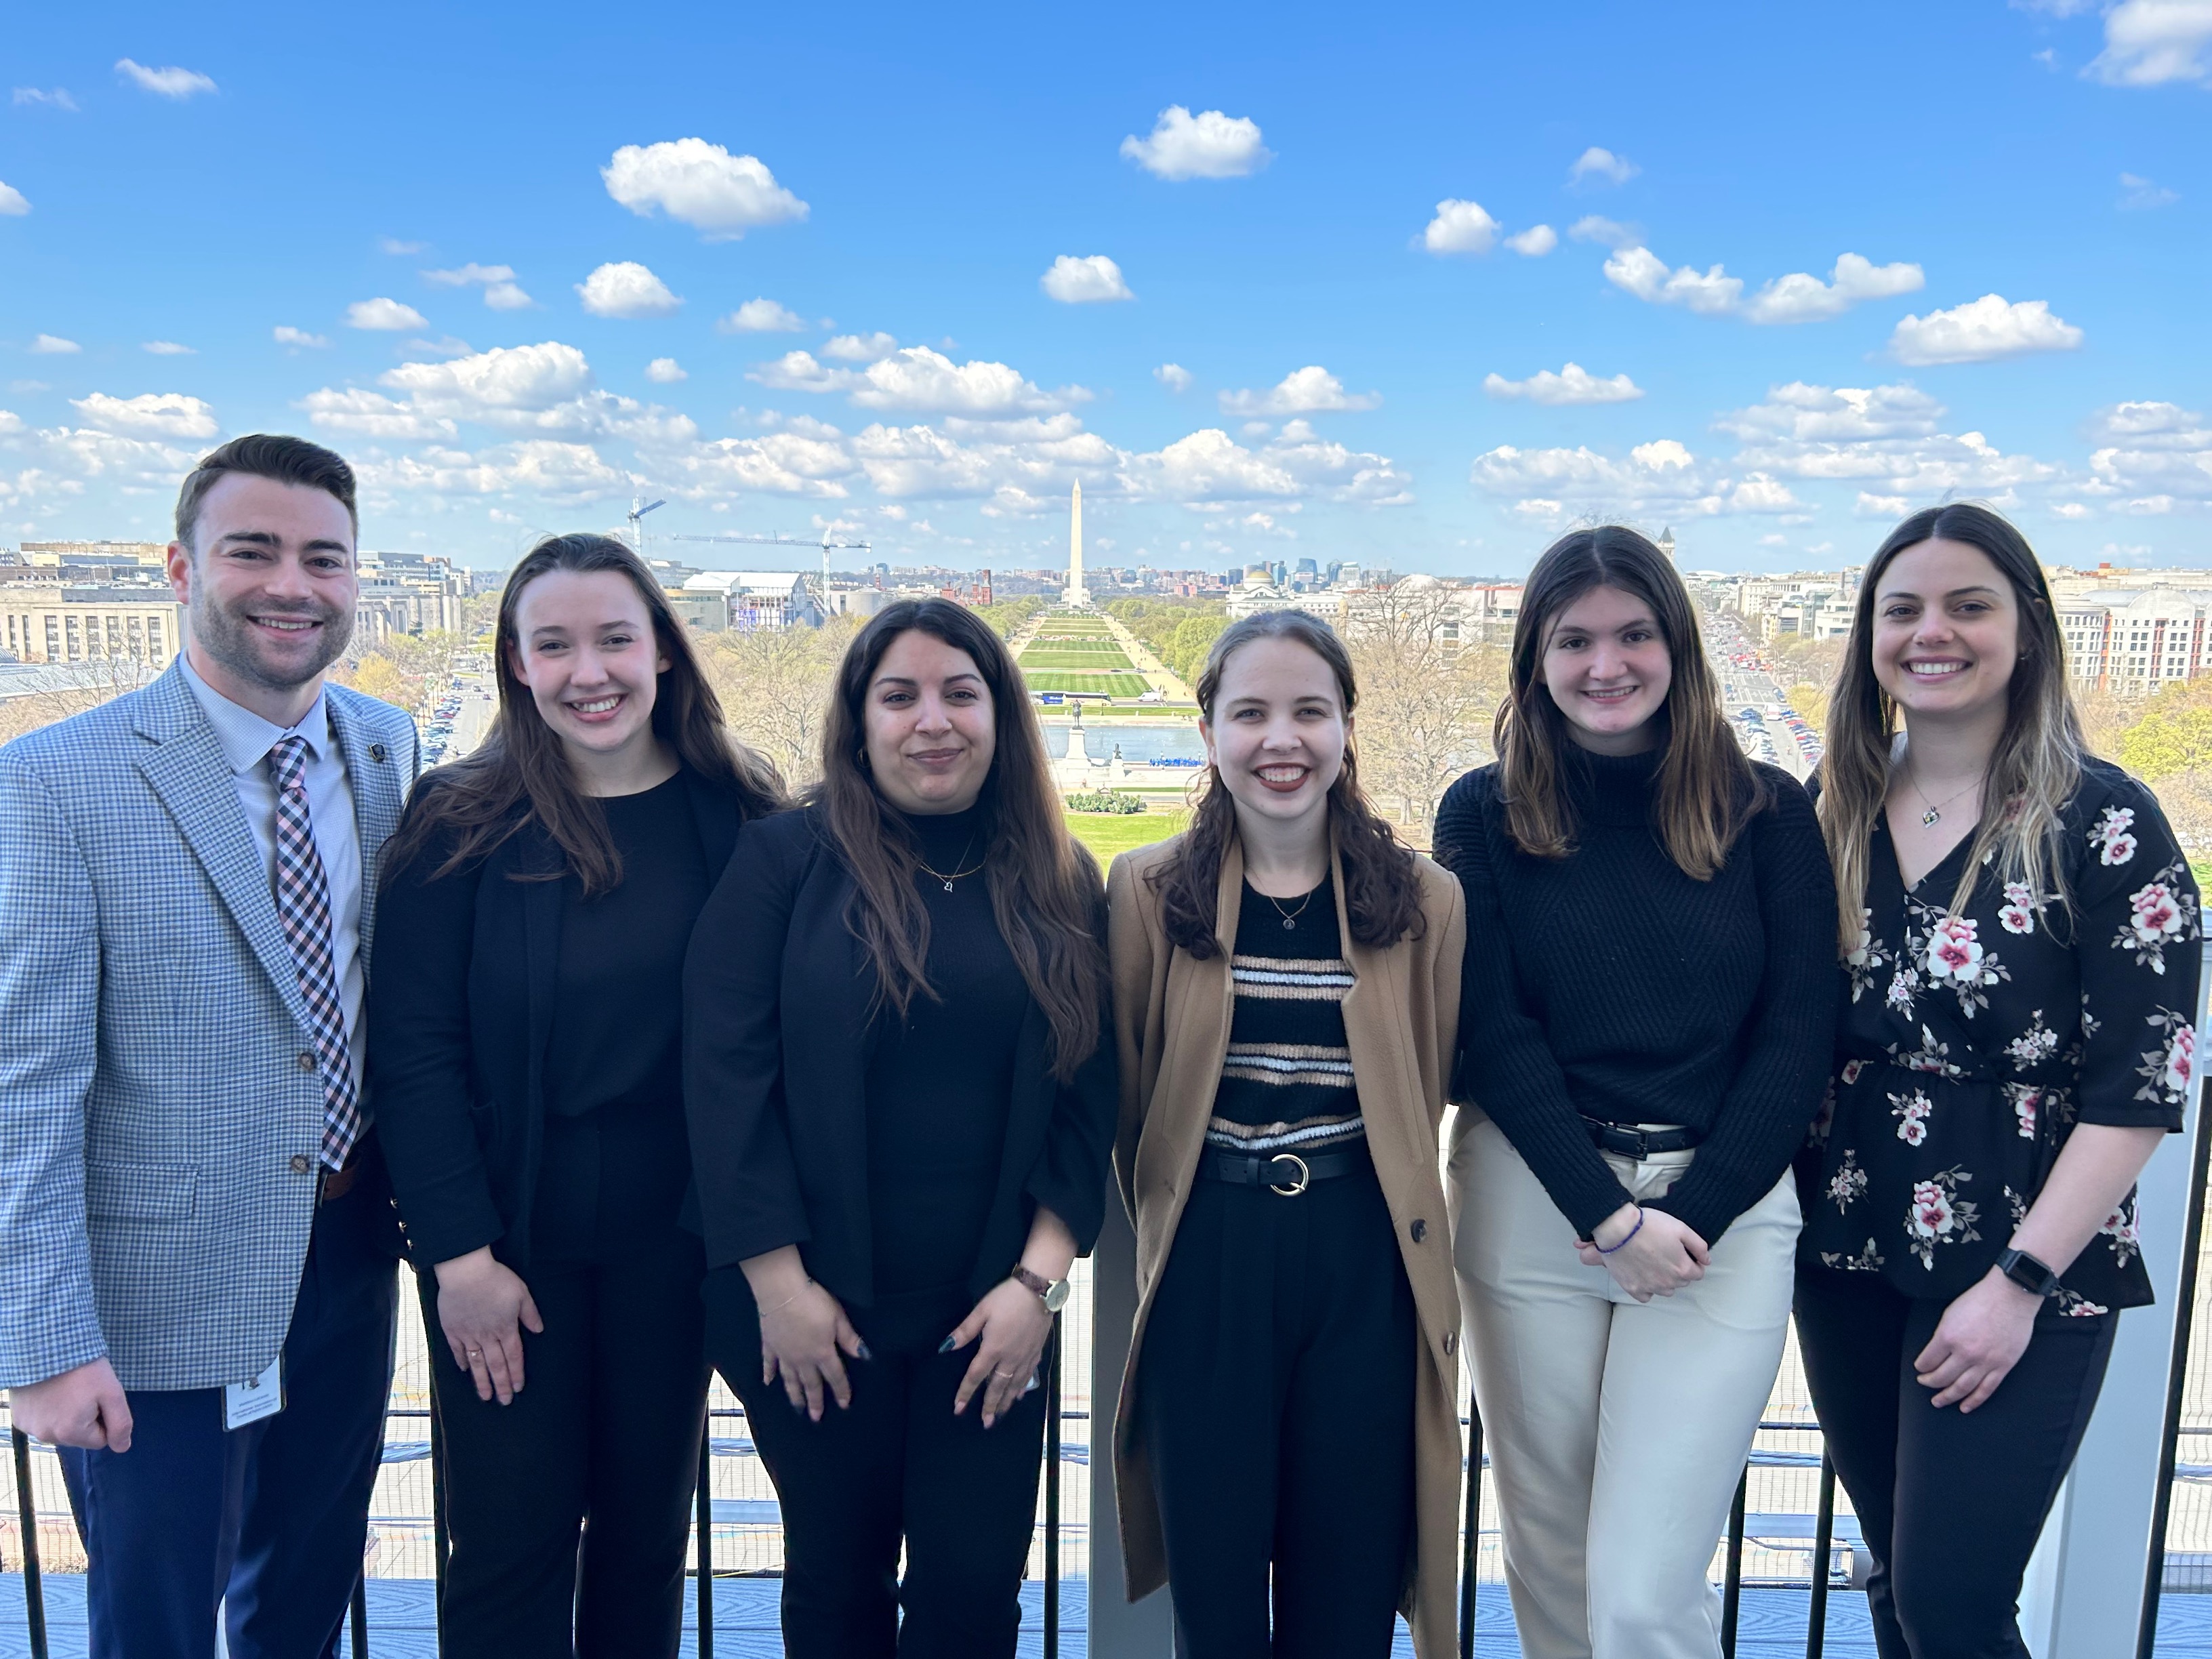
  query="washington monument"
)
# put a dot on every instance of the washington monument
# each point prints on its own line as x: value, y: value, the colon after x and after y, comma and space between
x: 1076, y: 598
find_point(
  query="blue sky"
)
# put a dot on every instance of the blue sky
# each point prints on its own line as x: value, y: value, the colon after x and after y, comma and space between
x: 1325, y: 221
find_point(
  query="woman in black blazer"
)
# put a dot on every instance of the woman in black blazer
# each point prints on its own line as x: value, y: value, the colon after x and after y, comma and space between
x: 901, y: 1116
x: 525, y: 1059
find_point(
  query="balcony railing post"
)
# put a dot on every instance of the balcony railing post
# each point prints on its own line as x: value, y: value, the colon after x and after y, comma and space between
x: 360, y: 1611
x: 1052, y: 1439
x: 441, y: 1541
x: 1732, y: 1591
x: 1824, y: 1534
x: 704, y: 1497
x: 1471, y: 1542
x: 26, y: 1510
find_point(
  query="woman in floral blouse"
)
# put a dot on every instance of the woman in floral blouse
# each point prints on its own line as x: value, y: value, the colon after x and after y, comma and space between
x: 2019, y: 937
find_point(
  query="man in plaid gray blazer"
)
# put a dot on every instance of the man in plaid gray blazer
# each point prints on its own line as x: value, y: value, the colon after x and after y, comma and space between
x: 198, y: 1279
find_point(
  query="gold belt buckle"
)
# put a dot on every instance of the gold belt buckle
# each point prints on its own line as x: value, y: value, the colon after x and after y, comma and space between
x: 1304, y: 1179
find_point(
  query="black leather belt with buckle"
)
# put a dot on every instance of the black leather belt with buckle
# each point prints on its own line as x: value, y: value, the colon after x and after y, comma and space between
x: 1638, y: 1144
x: 1284, y: 1173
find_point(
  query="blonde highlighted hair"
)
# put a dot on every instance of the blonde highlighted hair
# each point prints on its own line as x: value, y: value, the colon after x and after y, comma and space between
x: 2037, y: 765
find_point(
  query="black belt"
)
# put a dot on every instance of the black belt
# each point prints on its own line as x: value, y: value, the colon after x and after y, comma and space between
x: 1287, y: 1173
x: 1638, y: 1144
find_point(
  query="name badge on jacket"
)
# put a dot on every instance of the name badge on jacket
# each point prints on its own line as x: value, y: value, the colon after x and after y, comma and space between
x: 249, y: 1402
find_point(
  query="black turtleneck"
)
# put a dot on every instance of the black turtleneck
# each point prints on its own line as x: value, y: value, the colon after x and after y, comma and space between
x: 1610, y: 985
x: 940, y: 1084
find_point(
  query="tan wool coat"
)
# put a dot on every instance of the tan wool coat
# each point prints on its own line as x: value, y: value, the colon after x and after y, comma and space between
x: 1171, y: 1016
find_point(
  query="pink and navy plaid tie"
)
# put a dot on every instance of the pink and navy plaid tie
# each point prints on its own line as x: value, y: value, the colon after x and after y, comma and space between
x: 303, y: 905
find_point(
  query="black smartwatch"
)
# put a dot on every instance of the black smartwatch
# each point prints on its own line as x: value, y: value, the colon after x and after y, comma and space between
x: 2024, y: 1271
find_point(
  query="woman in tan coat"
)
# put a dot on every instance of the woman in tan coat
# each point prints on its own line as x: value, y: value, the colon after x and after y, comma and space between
x: 1286, y: 995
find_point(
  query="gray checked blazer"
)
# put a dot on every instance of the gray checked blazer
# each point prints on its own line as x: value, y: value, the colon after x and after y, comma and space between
x: 156, y: 1078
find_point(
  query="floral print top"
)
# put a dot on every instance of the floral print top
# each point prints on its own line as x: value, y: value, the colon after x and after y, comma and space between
x: 1972, y: 1044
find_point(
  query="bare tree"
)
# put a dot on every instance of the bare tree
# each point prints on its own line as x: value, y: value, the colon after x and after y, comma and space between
x: 1427, y: 698
x: 75, y: 688
x: 775, y: 686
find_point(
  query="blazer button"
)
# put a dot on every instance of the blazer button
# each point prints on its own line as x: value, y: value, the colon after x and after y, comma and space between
x: 307, y: 1060
x: 1451, y: 1341
x: 301, y: 1163
x: 1420, y: 1231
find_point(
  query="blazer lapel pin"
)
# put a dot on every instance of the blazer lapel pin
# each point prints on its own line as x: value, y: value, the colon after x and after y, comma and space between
x: 376, y: 751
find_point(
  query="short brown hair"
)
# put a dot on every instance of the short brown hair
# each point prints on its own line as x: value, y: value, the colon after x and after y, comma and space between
x: 266, y: 455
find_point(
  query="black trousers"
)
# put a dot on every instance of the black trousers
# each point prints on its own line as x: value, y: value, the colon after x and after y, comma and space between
x: 570, y: 1509
x: 895, y: 1465
x: 1950, y: 1504
x: 1275, y: 1395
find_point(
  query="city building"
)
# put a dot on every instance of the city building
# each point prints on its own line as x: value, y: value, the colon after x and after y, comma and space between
x: 772, y: 600
x: 2132, y: 641
x: 408, y: 593
x: 91, y: 624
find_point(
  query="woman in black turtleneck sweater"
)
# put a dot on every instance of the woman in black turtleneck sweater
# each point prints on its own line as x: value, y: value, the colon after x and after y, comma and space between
x: 1647, y: 1015
x: 901, y: 1115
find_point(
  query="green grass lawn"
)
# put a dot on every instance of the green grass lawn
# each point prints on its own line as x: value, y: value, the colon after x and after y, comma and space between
x: 1094, y: 661
x: 1073, y: 630
x: 1106, y: 833
x: 1083, y: 643
x: 1105, y: 685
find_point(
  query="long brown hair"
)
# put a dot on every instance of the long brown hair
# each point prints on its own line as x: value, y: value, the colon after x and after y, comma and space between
x: 1044, y: 885
x: 521, y: 772
x: 1706, y: 788
x: 1382, y: 889
x: 2037, y: 765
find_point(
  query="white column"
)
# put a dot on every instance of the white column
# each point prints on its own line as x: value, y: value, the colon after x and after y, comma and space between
x: 2083, y: 1598
x: 1118, y: 1630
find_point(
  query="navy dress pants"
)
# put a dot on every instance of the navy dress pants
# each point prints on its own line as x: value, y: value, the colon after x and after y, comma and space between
x: 267, y: 1522
x: 1950, y: 1504
x: 1275, y: 1397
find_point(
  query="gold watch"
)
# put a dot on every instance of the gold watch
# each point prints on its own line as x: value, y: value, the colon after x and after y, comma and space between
x: 1053, y: 1292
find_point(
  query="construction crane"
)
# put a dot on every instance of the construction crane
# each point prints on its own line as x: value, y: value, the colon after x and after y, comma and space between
x: 825, y: 544
x: 637, y: 511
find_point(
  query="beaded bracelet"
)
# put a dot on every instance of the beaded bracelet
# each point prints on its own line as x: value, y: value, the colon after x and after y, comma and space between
x: 1631, y: 1233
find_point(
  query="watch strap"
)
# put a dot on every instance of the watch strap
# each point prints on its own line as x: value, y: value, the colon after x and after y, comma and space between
x: 1053, y: 1292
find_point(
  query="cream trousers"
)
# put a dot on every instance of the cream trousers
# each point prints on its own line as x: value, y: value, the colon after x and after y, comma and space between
x: 1616, y: 1430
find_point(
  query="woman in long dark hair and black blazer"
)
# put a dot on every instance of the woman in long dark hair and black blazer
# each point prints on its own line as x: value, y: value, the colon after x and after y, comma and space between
x: 901, y: 1116
x: 525, y: 1053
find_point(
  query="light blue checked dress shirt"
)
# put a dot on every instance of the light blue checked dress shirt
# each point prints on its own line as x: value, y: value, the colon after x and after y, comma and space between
x: 246, y: 739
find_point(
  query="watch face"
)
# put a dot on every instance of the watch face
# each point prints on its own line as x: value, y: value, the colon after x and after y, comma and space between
x: 1055, y: 1295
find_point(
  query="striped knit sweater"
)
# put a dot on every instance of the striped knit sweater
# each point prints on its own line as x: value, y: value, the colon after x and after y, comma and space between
x: 1287, y: 1082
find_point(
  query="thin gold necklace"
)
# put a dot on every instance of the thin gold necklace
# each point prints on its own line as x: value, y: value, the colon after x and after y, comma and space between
x: 956, y: 874
x: 1290, y: 917
x: 1933, y: 815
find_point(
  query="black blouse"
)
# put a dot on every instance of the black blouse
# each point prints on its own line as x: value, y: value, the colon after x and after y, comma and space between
x: 1287, y: 1082
x: 1973, y: 1042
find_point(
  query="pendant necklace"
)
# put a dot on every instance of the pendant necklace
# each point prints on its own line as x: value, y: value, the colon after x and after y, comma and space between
x: 1290, y: 917
x: 1933, y: 815
x: 956, y: 872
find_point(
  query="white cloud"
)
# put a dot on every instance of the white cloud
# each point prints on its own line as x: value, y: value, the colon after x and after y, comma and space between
x: 168, y: 349
x: 761, y: 316
x: 1643, y: 273
x: 2137, y: 193
x: 52, y: 345
x: 1309, y: 391
x: 505, y: 380
x: 1887, y: 436
x: 153, y: 415
x: 665, y: 371
x: 1663, y: 475
x: 1606, y: 233
x: 285, y: 335
x: 170, y: 82
x: 12, y: 205
x: 2156, y: 453
x: 1983, y: 329
x: 387, y: 315
x: 1802, y: 298
x: 701, y: 184
x: 1572, y: 384
x: 399, y: 249
x: 558, y: 471
x: 625, y: 288
x: 1602, y: 165
x: 1208, y: 145
x: 1870, y: 506
x: 1085, y: 281
x: 501, y: 291
x: 1174, y: 376
x: 373, y: 415
x: 860, y: 348
x: 918, y: 379
x: 2149, y: 42
x: 804, y: 457
x: 1459, y: 227
x: 57, y: 99
x: 1534, y: 242
x: 446, y: 345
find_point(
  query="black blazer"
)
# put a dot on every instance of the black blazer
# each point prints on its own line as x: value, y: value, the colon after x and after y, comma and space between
x: 460, y: 1013
x: 778, y: 1034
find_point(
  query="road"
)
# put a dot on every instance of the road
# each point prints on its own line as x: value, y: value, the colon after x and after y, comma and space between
x: 472, y: 719
x: 1769, y: 739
